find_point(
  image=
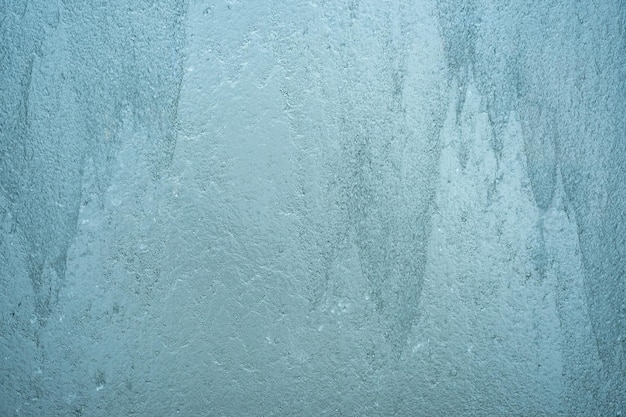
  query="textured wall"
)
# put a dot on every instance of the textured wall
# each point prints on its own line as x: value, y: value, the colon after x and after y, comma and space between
x: 313, y: 208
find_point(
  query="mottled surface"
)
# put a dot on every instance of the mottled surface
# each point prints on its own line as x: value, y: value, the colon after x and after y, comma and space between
x: 312, y: 208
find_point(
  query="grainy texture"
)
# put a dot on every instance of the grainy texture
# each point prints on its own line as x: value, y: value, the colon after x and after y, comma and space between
x: 410, y: 208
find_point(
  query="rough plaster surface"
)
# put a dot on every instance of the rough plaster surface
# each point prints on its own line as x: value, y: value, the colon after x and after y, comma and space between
x: 410, y: 208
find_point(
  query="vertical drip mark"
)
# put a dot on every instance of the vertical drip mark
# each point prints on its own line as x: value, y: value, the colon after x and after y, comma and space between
x: 539, y: 255
x: 540, y: 139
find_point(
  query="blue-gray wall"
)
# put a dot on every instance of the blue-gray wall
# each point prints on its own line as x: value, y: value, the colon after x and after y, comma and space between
x: 411, y: 208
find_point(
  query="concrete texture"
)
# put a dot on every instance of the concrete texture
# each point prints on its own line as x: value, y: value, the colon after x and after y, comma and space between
x: 394, y: 208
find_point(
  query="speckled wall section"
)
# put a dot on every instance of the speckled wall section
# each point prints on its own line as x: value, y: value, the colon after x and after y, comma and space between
x: 394, y: 208
x: 80, y: 81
